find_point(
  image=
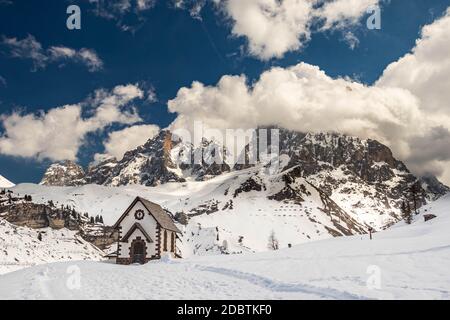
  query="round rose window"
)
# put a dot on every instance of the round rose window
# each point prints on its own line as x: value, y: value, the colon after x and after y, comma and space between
x: 139, y: 214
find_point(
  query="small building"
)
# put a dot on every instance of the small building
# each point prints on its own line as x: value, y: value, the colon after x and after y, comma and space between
x: 145, y: 232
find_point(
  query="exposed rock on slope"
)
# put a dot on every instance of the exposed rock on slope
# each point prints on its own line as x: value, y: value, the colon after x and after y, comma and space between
x: 433, y: 187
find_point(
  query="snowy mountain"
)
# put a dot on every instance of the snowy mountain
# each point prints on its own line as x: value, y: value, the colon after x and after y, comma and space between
x: 66, y: 173
x: 361, y: 178
x: 5, y: 183
x: 404, y: 262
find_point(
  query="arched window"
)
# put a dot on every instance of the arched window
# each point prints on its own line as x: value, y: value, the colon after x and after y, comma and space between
x: 172, y: 242
x: 165, y: 240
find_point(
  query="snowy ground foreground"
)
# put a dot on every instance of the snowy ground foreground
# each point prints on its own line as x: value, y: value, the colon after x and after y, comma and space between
x: 412, y: 262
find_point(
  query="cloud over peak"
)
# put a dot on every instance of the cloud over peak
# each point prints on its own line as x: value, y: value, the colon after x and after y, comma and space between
x: 407, y: 108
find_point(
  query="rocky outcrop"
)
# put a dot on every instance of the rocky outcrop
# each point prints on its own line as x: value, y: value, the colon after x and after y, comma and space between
x: 433, y: 187
x: 22, y: 213
x: 100, y: 172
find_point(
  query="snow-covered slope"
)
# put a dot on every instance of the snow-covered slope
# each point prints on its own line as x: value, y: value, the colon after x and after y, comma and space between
x: 234, y: 212
x: 404, y: 262
x: 20, y: 247
x: 360, y: 178
x: 5, y: 183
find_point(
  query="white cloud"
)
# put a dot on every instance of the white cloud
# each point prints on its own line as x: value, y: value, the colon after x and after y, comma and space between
x: 122, y: 10
x: 426, y: 73
x: 303, y: 98
x: 59, y: 133
x: 3, y: 82
x: 152, y: 97
x: 30, y: 48
x: 351, y: 40
x: 274, y: 27
x: 27, y: 48
x: 426, y: 70
x: 119, y: 142
x: 339, y: 14
x: 407, y: 108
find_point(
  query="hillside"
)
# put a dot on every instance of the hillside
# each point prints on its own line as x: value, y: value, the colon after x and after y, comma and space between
x: 327, y: 185
x: 37, y: 233
x: 5, y: 183
x: 411, y: 261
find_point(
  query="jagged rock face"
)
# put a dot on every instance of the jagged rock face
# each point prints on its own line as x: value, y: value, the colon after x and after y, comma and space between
x: 149, y: 164
x: 66, y: 173
x: 36, y: 216
x: 433, y: 187
x: 163, y: 159
x: 100, y: 173
x: 366, y: 160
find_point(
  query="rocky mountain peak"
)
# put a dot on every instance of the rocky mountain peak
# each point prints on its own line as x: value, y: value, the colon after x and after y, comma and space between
x: 66, y: 173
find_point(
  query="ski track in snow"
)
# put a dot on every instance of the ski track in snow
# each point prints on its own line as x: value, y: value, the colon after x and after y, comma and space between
x: 266, y: 283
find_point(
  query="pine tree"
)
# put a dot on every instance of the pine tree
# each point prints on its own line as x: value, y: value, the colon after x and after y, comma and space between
x: 100, y: 219
x: 39, y: 236
x: 92, y: 220
x: 416, y: 192
x: 406, y: 212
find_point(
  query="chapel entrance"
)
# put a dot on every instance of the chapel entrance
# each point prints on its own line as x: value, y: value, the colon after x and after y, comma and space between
x: 138, y: 251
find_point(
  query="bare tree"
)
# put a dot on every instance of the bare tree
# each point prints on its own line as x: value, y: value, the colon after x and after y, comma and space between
x: 273, y: 242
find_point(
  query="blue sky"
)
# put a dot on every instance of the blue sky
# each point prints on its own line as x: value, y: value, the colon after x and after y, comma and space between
x: 168, y: 50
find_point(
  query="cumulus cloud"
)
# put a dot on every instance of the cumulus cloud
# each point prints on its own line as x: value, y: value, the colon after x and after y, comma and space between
x: 340, y: 14
x: 302, y: 98
x: 30, y: 48
x: 59, y: 133
x: 119, y: 142
x: 406, y: 109
x: 274, y: 27
x: 425, y: 71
